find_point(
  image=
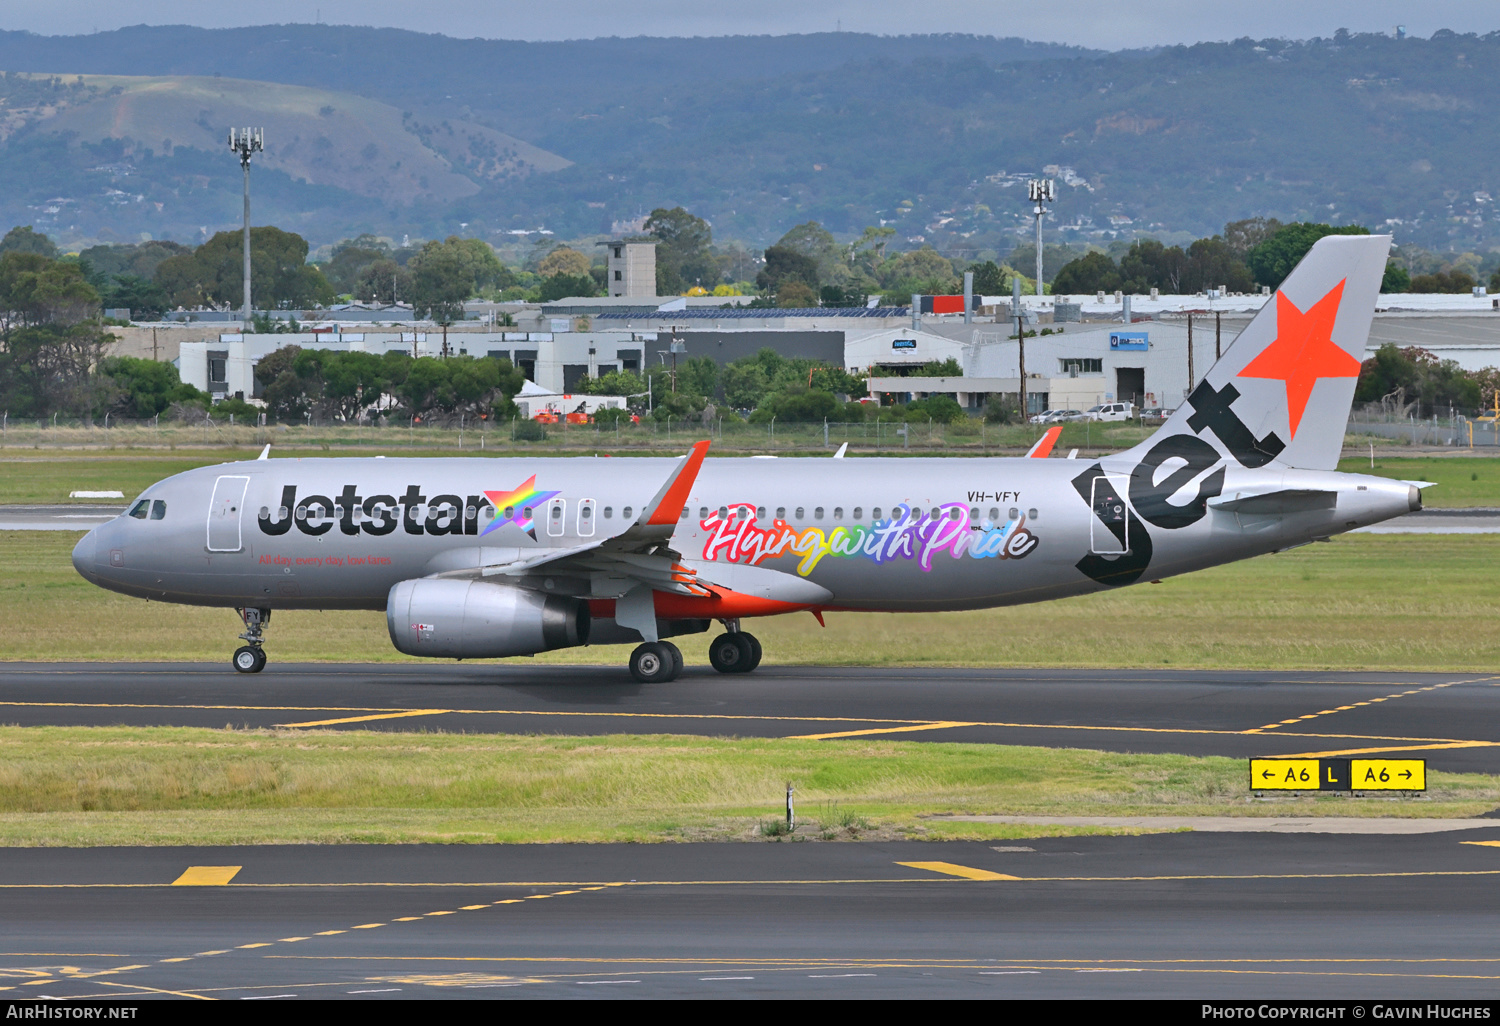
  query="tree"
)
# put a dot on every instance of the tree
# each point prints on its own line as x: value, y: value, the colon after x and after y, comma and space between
x: 24, y: 240
x: 793, y: 294
x: 1243, y: 236
x: 1272, y: 260
x: 561, y: 286
x: 1451, y: 282
x: 923, y: 271
x: 280, y: 276
x: 1150, y: 265
x: 145, y: 388
x: 814, y: 241
x: 1398, y: 279
x: 36, y: 290
x: 564, y: 260
x: 1211, y: 264
x: 349, y: 263
x: 145, y: 299
x: 784, y: 264
x: 1093, y: 272
x: 683, y: 251
x: 383, y: 281
x: 110, y: 261
x: 990, y: 279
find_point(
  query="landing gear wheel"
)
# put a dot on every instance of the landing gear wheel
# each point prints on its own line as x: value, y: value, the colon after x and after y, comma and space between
x: 652, y: 663
x: 248, y: 659
x: 754, y: 653
x: 677, y: 662
x: 732, y: 653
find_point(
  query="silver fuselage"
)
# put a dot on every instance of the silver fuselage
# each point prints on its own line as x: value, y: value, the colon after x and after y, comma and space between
x: 948, y: 534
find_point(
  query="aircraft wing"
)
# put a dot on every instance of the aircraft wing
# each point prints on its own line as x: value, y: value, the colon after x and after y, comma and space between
x: 638, y: 555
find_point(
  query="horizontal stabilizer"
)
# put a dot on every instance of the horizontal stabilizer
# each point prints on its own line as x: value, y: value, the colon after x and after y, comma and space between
x: 1285, y: 500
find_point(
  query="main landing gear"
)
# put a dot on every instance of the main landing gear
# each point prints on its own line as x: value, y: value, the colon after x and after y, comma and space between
x: 734, y: 651
x: 251, y: 658
x: 656, y: 662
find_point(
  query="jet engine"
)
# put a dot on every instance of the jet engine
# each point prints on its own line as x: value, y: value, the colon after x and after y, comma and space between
x: 477, y: 620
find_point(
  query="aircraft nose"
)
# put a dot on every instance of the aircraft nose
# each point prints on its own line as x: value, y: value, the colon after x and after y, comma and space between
x: 83, y: 554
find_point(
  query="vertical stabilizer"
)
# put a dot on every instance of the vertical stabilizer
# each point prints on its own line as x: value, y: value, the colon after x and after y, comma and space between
x: 1283, y: 389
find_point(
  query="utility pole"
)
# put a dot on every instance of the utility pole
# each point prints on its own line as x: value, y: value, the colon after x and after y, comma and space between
x: 1015, y: 305
x: 676, y: 346
x: 1040, y: 191
x: 1190, y: 352
x: 244, y: 142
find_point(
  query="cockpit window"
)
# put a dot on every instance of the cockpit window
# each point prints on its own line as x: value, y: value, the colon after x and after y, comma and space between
x: 158, y: 509
x: 139, y: 509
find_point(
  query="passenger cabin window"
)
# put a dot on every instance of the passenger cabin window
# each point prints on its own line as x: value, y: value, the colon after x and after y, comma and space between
x: 760, y: 512
x: 995, y: 514
x: 780, y: 512
x: 158, y: 509
x: 801, y: 514
x: 702, y: 512
x: 858, y: 513
x: 1014, y: 513
x: 974, y: 513
x: 625, y: 513
x: 1031, y: 513
x: 818, y: 513
x: 838, y: 512
x: 875, y: 513
x: 609, y: 512
x: 140, y: 508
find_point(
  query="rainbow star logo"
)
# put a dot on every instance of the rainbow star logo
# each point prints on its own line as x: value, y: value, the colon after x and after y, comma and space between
x: 516, y: 507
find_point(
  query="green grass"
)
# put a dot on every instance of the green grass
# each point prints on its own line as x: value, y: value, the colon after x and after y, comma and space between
x: 1419, y: 602
x: 1461, y: 480
x: 169, y: 785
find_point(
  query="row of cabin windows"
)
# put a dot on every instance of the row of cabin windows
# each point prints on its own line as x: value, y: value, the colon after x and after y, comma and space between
x: 159, y: 510
x: 858, y: 513
x: 155, y: 508
x: 469, y: 512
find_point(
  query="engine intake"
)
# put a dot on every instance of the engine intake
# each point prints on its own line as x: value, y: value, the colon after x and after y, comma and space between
x: 478, y: 620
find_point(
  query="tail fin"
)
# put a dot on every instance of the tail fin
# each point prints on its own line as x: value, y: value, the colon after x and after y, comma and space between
x: 1283, y: 389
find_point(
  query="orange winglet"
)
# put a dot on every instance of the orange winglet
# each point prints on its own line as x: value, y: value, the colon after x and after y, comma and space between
x: 670, y: 507
x: 1043, y: 447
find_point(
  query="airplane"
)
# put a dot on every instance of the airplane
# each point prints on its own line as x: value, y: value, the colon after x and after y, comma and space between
x: 480, y: 558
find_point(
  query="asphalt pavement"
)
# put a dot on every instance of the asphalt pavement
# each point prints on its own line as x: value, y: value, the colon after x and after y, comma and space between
x: 1449, y: 719
x: 1169, y: 915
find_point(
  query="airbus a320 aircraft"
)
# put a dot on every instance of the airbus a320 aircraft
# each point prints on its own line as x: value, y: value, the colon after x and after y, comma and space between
x: 474, y: 558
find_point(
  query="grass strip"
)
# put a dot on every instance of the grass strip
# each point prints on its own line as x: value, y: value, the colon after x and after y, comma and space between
x: 174, y: 785
x: 1417, y: 602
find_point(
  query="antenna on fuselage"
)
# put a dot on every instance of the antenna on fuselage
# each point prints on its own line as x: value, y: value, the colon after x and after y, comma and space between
x: 265, y: 453
x: 842, y: 449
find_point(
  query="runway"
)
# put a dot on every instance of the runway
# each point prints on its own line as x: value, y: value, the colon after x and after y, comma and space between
x: 1171, y: 915
x: 1449, y: 719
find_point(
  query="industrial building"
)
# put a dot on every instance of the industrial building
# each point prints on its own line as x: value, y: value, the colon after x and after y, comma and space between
x: 1071, y: 364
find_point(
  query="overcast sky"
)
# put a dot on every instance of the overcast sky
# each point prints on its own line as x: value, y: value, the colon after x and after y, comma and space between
x: 1106, y: 24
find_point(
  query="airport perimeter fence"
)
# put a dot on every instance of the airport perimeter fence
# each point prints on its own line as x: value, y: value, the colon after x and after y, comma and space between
x: 1449, y: 429
x: 970, y: 436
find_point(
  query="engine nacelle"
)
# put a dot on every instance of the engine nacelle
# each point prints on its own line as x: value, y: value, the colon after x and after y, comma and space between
x: 478, y: 620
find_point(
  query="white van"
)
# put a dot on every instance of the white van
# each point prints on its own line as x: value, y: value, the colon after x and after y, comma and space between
x: 1112, y: 411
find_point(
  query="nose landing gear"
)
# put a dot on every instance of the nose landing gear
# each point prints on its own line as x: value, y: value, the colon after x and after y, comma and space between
x: 251, y: 658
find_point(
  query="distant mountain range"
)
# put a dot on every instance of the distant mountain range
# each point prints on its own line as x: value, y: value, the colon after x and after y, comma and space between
x: 120, y: 134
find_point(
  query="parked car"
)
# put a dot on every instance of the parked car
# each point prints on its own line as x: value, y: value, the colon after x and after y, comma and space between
x: 1112, y: 411
x: 1155, y: 415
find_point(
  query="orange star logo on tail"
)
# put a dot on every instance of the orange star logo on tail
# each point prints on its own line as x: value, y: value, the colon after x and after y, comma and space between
x: 1303, y: 352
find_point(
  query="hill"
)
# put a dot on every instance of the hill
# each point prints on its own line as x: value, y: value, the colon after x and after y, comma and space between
x: 931, y: 134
